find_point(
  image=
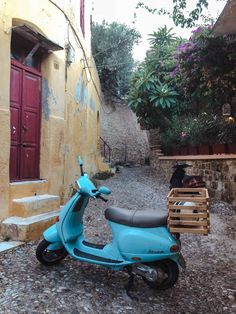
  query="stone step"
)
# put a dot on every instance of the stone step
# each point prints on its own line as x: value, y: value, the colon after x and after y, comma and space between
x: 28, y: 188
x: 155, y: 147
x: 27, y: 229
x: 8, y: 245
x: 34, y: 205
x: 158, y: 151
x: 154, y: 141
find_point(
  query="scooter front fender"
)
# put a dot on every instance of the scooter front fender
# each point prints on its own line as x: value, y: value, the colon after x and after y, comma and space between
x: 51, y: 235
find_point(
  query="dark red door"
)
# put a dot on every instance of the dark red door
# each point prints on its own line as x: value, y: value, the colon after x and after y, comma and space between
x: 25, y: 105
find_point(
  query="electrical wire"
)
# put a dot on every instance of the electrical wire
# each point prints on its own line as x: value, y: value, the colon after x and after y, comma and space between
x: 80, y: 45
x: 100, y: 96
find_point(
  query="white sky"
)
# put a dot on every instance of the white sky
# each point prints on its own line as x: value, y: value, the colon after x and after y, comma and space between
x: 122, y: 11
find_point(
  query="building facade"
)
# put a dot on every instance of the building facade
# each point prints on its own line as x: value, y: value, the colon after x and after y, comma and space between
x: 49, y: 107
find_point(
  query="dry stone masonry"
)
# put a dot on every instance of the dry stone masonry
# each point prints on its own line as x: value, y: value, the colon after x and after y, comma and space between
x: 219, y: 174
x: 120, y: 129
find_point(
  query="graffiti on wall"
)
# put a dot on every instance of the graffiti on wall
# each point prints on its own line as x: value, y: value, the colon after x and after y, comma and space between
x: 82, y: 95
x: 48, y: 98
x: 92, y: 104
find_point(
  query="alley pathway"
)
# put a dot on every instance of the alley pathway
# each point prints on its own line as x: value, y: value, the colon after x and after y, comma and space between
x: 206, y: 286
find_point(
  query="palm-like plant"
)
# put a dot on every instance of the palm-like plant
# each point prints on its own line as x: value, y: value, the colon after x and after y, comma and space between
x: 163, y: 96
x: 151, y: 95
x: 163, y: 37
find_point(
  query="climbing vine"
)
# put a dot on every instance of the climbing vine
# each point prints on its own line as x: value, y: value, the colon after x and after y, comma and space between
x: 179, y: 13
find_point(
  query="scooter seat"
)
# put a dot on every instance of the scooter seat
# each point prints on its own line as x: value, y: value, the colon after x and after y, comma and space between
x: 136, y: 218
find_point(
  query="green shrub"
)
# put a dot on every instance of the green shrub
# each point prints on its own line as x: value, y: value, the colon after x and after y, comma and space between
x: 196, y: 130
x: 103, y: 175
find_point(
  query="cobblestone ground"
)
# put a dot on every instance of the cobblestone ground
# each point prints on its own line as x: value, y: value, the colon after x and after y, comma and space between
x: 206, y: 286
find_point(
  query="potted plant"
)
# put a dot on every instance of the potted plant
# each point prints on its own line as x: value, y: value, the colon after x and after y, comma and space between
x: 211, y: 128
x: 227, y: 136
x: 193, y: 150
x: 218, y: 148
x: 231, y: 148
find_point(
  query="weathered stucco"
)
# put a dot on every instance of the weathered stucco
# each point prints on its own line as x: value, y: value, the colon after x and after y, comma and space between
x: 68, y: 122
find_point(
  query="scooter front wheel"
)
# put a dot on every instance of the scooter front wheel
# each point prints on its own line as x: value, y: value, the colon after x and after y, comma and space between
x: 167, y: 274
x: 49, y: 257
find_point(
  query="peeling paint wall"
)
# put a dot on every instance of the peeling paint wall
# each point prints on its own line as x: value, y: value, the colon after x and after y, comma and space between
x: 70, y: 95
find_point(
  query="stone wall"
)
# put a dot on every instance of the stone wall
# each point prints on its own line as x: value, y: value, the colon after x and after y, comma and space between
x: 219, y: 174
x: 119, y: 128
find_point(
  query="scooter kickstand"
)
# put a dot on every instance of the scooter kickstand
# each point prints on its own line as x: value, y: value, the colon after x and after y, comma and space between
x: 130, y: 284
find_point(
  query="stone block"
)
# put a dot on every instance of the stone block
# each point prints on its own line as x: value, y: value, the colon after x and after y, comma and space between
x: 27, y: 229
x: 214, y: 185
x: 34, y: 205
x: 8, y: 245
x: 28, y: 188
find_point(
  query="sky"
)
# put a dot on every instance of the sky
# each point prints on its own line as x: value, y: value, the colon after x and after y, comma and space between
x: 122, y: 11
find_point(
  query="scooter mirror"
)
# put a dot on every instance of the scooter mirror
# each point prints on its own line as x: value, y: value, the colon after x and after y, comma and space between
x: 80, y: 161
x: 104, y: 190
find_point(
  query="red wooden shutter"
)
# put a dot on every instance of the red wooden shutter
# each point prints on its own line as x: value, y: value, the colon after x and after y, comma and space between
x: 82, y: 16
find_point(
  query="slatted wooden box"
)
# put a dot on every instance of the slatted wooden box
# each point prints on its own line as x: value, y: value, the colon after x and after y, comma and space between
x: 188, y: 211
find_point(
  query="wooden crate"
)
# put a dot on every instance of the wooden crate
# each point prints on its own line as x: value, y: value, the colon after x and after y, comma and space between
x: 188, y: 211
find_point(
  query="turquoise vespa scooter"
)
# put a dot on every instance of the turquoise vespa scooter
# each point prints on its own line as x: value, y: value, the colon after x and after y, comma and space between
x: 141, y: 245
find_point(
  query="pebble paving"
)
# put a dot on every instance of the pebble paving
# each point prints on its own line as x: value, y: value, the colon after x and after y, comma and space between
x: 206, y: 286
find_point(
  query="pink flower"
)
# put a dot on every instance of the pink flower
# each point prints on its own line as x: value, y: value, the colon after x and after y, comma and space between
x: 184, y: 134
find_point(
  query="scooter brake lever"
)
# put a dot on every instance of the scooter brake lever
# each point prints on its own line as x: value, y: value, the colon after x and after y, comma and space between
x: 102, y: 198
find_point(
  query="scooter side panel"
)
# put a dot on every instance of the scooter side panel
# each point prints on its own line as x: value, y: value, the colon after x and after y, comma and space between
x: 147, y: 244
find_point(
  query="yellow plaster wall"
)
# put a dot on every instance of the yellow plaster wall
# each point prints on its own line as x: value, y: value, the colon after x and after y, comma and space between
x: 68, y: 127
x: 4, y: 110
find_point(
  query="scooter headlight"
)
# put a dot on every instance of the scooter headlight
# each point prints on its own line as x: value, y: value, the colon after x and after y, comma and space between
x: 77, y: 185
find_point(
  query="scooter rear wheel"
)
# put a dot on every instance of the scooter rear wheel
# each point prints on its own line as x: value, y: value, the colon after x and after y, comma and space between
x: 170, y: 271
x: 48, y: 257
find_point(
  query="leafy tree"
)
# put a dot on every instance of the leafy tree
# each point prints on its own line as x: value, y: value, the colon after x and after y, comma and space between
x: 178, y: 13
x: 112, y: 46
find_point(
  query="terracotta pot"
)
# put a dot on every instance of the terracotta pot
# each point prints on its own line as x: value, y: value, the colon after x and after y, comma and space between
x: 204, y: 150
x: 218, y: 148
x: 231, y: 148
x: 184, y: 151
x: 193, y: 150
x: 176, y: 152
